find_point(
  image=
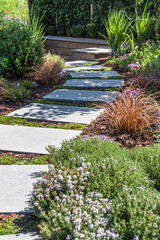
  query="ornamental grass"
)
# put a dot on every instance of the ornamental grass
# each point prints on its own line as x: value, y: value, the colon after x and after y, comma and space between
x: 134, y: 112
x: 50, y: 71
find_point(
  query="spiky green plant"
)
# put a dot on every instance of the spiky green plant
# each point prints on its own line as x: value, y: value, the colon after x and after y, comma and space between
x: 117, y: 27
x: 142, y: 26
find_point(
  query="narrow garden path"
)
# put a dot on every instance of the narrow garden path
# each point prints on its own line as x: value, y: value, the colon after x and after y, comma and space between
x: 16, y: 181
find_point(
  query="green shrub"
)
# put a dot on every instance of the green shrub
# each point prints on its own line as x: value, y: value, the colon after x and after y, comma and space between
x: 66, y: 210
x: 91, y: 30
x: 148, y: 158
x: 51, y: 30
x: 21, y: 45
x: 135, y: 214
x: 60, y: 32
x: 78, y: 31
x: 96, y: 190
x: 18, y: 90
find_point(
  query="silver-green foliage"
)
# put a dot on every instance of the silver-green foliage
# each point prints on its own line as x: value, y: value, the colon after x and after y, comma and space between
x: 96, y: 190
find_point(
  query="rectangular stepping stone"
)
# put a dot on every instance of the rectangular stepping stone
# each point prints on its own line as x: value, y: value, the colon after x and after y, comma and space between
x: 94, y: 50
x: 97, y: 74
x: 16, y: 184
x: 22, y: 236
x: 78, y: 62
x: 32, y: 139
x: 94, y: 83
x: 85, y: 68
x: 81, y: 95
x: 57, y: 113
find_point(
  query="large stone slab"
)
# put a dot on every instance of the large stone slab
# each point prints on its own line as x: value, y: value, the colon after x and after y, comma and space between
x: 16, y: 184
x: 78, y: 62
x: 81, y: 95
x: 22, y: 236
x: 94, y: 83
x: 32, y: 139
x: 97, y: 74
x: 94, y: 50
x: 85, y: 68
x: 57, y: 113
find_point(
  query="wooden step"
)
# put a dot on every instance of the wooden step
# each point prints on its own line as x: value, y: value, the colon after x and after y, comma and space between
x: 64, y: 45
x: 91, y: 53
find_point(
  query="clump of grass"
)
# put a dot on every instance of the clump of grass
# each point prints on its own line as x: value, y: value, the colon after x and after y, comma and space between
x: 133, y: 112
x: 117, y: 27
x: 49, y: 73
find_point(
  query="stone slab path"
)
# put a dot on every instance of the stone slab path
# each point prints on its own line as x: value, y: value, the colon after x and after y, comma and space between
x: 78, y: 62
x: 32, y: 139
x: 57, y: 113
x: 16, y: 181
x: 23, y: 236
x: 81, y: 95
x: 94, y: 83
x: 97, y: 74
x: 85, y: 68
x: 94, y: 50
x: 16, y: 184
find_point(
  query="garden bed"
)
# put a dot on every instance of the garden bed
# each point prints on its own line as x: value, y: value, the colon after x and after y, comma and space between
x: 17, y: 223
x: 102, y: 126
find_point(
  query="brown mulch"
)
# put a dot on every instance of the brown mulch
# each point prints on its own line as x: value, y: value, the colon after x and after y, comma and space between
x: 102, y: 126
x: 20, y: 221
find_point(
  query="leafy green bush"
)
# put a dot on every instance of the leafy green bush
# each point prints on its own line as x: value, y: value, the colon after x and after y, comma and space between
x: 78, y: 31
x: 60, y: 32
x: 96, y: 190
x: 135, y: 214
x: 91, y: 30
x: 51, y: 30
x: 17, y: 90
x: 21, y: 45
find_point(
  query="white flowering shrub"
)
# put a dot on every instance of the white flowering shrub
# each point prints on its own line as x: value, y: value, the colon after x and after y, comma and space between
x: 97, y: 190
x: 66, y: 210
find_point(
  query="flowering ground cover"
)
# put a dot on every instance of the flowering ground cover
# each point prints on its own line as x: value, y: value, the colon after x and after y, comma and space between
x: 98, y: 191
x: 144, y: 59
